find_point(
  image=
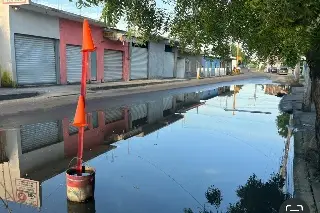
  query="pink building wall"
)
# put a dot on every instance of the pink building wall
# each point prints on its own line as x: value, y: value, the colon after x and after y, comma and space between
x: 71, y: 33
x: 93, y: 136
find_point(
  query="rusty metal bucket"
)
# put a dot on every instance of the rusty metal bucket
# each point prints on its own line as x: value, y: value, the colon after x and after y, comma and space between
x: 80, y: 188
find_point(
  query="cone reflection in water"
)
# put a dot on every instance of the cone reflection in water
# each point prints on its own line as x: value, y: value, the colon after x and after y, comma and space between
x: 87, y: 41
x: 80, y: 116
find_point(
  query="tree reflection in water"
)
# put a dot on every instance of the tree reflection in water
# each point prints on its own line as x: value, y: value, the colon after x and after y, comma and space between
x: 255, y: 196
x: 282, y: 123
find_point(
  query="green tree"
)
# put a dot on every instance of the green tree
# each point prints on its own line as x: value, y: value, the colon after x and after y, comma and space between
x: 254, y: 196
x: 241, y: 53
x: 270, y: 29
x: 282, y: 121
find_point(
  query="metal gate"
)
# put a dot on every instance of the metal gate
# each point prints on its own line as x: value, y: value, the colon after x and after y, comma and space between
x: 35, y: 60
x: 138, y: 111
x: 112, y: 65
x: 36, y: 136
x: 167, y: 103
x: 113, y: 114
x: 168, y: 65
x: 181, y: 63
x: 139, y: 63
x: 74, y: 63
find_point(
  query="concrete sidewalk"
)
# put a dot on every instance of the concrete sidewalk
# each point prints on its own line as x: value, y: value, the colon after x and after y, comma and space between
x: 63, y: 90
x: 305, y: 175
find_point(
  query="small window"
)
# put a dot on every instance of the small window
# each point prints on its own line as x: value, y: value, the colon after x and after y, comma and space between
x: 168, y: 48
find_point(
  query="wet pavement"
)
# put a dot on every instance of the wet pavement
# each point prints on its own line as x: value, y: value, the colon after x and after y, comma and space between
x: 184, y: 152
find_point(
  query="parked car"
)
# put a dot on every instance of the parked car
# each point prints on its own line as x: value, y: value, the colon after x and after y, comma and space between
x: 273, y: 70
x: 283, y: 71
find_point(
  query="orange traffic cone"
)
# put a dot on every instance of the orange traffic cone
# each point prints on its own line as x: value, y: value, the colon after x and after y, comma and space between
x: 80, y: 116
x: 87, y: 42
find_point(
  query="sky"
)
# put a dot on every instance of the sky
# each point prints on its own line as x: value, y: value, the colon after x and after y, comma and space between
x: 93, y: 12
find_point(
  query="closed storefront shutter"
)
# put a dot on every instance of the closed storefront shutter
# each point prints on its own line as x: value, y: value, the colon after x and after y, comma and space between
x: 36, y: 136
x: 167, y: 103
x: 138, y: 111
x: 74, y: 63
x: 112, y: 65
x: 168, y: 65
x: 139, y: 63
x: 35, y: 60
x: 113, y: 114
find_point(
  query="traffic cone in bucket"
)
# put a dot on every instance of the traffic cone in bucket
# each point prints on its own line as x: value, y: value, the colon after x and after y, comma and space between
x: 80, y: 116
x: 87, y: 41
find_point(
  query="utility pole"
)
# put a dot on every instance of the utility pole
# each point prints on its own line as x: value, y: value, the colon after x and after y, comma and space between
x: 255, y: 94
x: 234, y: 99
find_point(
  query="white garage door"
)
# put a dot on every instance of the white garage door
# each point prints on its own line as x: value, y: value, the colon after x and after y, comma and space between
x: 35, y: 60
x: 138, y: 111
x: 168, y: 65
x: 74, y: 63
x: 139, y: 63
x: 36, y: 136
x: 181, y: 68
x: 112, y: 65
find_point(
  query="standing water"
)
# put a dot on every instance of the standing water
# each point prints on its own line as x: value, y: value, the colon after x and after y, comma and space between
x: 182, y: 153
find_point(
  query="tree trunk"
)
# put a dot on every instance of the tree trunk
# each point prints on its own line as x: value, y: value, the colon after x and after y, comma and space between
x: 306, y: 105
x: 297, y: 72
x: 316, y: 99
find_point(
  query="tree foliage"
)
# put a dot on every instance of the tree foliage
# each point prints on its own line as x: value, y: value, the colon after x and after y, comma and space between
x: 241, y: 53
x: 254, y: 196
x: 282, y: 121
x: 268, y: 28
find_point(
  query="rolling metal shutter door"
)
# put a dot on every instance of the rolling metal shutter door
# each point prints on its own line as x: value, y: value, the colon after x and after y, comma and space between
x: 112, y: 115
x: 181, y: 68
x: 139, y: 63
x: 35, y: 60
x: 112, y: 65
x: 168, y: 65
x: 36, y: 136
x: 167, y: 103
x: 138, y: 111
x: 74, y: 63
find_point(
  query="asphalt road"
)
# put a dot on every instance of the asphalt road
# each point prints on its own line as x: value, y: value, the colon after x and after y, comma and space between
x: 40, y: 109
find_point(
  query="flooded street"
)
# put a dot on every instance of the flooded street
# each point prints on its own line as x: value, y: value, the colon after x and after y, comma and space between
x: 158, y: 155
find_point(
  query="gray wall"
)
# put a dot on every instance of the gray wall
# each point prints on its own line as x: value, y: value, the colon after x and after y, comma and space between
x: 156, y: 60
x: 191, y: 70
x: 31, y: 23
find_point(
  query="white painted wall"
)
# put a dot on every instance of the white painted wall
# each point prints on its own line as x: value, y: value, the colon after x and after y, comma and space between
x: 5, y: 48
x: 31, y: 23
x: 155, y: 111
x: 10, y: 170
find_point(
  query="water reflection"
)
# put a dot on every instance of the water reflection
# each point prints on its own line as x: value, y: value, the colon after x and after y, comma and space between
x: 254, y: 196
x: 147, y: 153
